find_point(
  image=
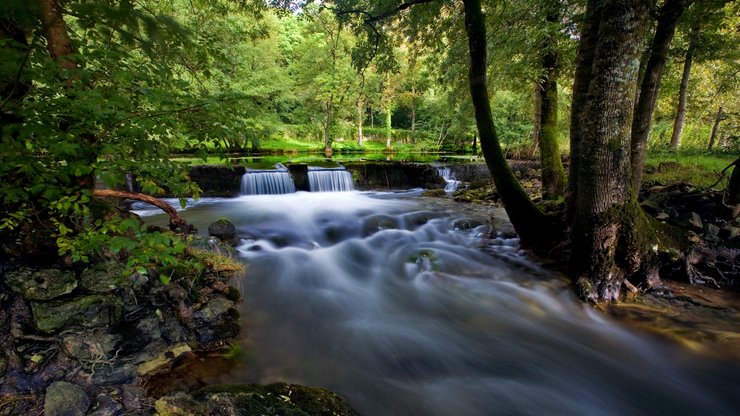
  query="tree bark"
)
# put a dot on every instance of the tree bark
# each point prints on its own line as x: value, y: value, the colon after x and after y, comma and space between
x: 553, y: 174
x: 605, y: 210
x: 584, y: 62
x: 176, y: 221
x: 648, y: 93
x: 715, y: 127
x: 58, y: 42
x: 682, y: 92
x: 533, y: 227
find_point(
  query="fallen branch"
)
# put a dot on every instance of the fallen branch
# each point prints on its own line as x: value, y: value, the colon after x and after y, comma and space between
x: 176, y: 221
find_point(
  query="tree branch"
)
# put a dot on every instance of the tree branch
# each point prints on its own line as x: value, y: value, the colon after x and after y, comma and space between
x: 176, y: 221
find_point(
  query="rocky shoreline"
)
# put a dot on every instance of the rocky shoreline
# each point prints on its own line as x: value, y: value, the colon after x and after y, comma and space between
x: 84, y: 341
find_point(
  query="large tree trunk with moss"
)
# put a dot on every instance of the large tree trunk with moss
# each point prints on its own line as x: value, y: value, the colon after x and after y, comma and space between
x: 584, y: 65
x: 680, y: 120
x: 533, y: 227
x: 553, y: 174
x: 715, y: 128
x: 607, y: 220
x: 648, y: 93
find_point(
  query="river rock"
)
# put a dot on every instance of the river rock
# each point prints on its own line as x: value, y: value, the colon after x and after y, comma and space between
x: 106, y: 406
x: 223, y: 229
x: 88, y: 311
x: 44, y: 284
x: 376, y: 223
x: 216, y: 320
x: 104, y: 277
x: 65, y: 399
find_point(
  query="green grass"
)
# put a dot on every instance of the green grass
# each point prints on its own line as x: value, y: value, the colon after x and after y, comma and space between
x: 700, y: 168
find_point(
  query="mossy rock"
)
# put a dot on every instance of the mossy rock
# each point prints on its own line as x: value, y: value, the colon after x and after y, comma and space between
x: 44, y: 284
x: 87, y: 311
x: 275, y: 399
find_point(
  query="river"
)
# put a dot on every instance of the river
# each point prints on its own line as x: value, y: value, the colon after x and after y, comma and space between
x: 409, y: 305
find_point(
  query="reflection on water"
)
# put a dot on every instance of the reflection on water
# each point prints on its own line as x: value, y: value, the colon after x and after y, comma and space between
x: 397, y: 304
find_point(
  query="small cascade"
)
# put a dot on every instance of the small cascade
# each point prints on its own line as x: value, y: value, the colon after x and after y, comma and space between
x: 267, y: 182
x: 329, y: 180
x: 446, y: 174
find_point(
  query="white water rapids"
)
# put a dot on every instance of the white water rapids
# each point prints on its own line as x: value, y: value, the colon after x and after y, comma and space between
x: 409, y: 306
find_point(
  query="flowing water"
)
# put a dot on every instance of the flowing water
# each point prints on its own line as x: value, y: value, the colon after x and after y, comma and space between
x: 414, y: 306
x: 329, y: 180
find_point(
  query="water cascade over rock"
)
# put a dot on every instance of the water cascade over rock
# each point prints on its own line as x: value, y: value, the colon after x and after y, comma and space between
x: 451, y: 183
x: 267, y: 182
x: 329, y: 180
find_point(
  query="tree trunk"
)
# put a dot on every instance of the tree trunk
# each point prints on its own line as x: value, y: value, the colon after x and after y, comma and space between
x: 584, y: 62
x: 533, y: 227
x: 475, y: 144
x: 648, y: 93
x: 605, y: 212
x: 681, y: 110
x: 388, y: 127
x: 329, y: 120
x: 60, y: 49
x: 553, y: 174
x: 413, y: 106
x: 360, y: 120
x: 715, y: 127
x: 733, y: 188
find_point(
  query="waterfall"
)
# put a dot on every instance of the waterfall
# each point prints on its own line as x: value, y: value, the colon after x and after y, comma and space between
x: 446, y: 174
x: 329, y: 180
x: 267, y: 182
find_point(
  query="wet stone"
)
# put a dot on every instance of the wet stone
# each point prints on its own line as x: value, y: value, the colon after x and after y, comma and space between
x: 44, y: 284
x: 65, y: 399
x: 222, y: 229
